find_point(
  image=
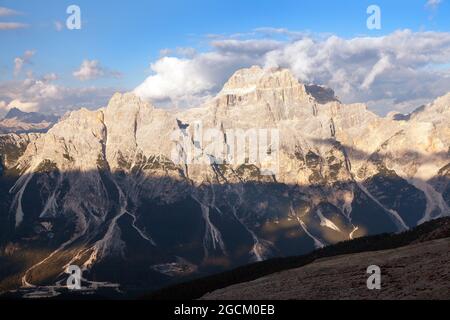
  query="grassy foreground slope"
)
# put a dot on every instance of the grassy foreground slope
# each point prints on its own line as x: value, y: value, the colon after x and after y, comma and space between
x: 433, y: 230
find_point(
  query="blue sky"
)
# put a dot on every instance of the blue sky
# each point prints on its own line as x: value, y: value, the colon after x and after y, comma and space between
x: 127, y: 36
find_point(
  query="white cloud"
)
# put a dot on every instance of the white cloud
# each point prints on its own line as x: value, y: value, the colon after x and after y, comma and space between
x: 381, y: 66
x: 270, y: 32
x: 12, y: 25
x: 3, y: 105
x: 92, y: 69
x: 364, y: 69
x: 4, y: 12
x: 43, y: 95
x: 50, y: 77
x: 19, y: 62
x: 177, y: 77
x: 89, y: 69
x: 165, y: 52
x: 183, y: 81
x: 190, y: 81
x: 433, y: 4
x: 23, y: 106
x: 393, y: 71
x: 251, y: 47
x: 185, y: 52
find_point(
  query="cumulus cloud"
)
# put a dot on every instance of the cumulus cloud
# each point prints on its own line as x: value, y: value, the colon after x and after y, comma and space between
x: 23, y: 106
x: 50, y: 77
x: 395, y: 71
x: 43, y: 95
x: 180, y: 77
x: 19, y: 62
x: 186, y: 82
x: 92, y: 69
x: 190, y: 81
x: 402, y: 66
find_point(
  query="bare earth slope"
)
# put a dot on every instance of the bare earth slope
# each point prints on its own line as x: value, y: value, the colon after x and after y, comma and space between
x: 419, y: 271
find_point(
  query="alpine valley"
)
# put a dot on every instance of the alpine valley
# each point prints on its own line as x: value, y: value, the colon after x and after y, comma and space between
x: 99, y: 189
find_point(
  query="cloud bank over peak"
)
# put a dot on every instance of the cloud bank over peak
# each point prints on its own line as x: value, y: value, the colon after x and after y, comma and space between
x: 396, y: 71
x: 183, y: 82
x: 92, y: 69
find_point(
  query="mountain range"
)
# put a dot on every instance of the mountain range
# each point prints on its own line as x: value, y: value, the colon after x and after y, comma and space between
x: 101, y: 189
x: 17, y: 121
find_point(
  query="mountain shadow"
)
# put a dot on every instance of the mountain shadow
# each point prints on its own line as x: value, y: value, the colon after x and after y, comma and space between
x: 144, y: 232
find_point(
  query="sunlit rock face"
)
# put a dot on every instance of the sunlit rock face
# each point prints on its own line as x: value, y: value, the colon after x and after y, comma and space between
x: 102, y: 190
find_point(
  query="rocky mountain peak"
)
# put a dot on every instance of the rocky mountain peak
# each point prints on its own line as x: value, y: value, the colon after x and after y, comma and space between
x: 29, y: 117
x: 434, y: 111
x: 126, y: 102
x: 257, y: 78
x: 13, y: 113
x: 276, y: 87
x: 244, y: 78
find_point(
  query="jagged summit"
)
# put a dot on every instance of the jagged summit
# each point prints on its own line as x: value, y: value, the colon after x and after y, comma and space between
x: 435, y: 111
x: 256, y: 85
x: 29, y: 117
x: 247, y: 78
x: 14, y: 113
x: 129, y: 99
x: 258, y: 78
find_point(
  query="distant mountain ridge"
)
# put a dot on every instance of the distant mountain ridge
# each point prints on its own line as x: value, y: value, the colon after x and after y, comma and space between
x: 30, y: 117
x: 17, y: 121
x: 101, y: 188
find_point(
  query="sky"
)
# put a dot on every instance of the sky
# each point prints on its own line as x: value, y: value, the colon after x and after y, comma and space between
x: 179, y: 53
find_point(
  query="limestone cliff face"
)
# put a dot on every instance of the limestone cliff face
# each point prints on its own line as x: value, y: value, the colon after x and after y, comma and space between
x: 107, y: 181
x: 277, y: 87
x: 12, y: 147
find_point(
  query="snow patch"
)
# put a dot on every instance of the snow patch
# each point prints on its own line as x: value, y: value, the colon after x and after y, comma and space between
x: 317, y: 243
x: 324, y: 222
